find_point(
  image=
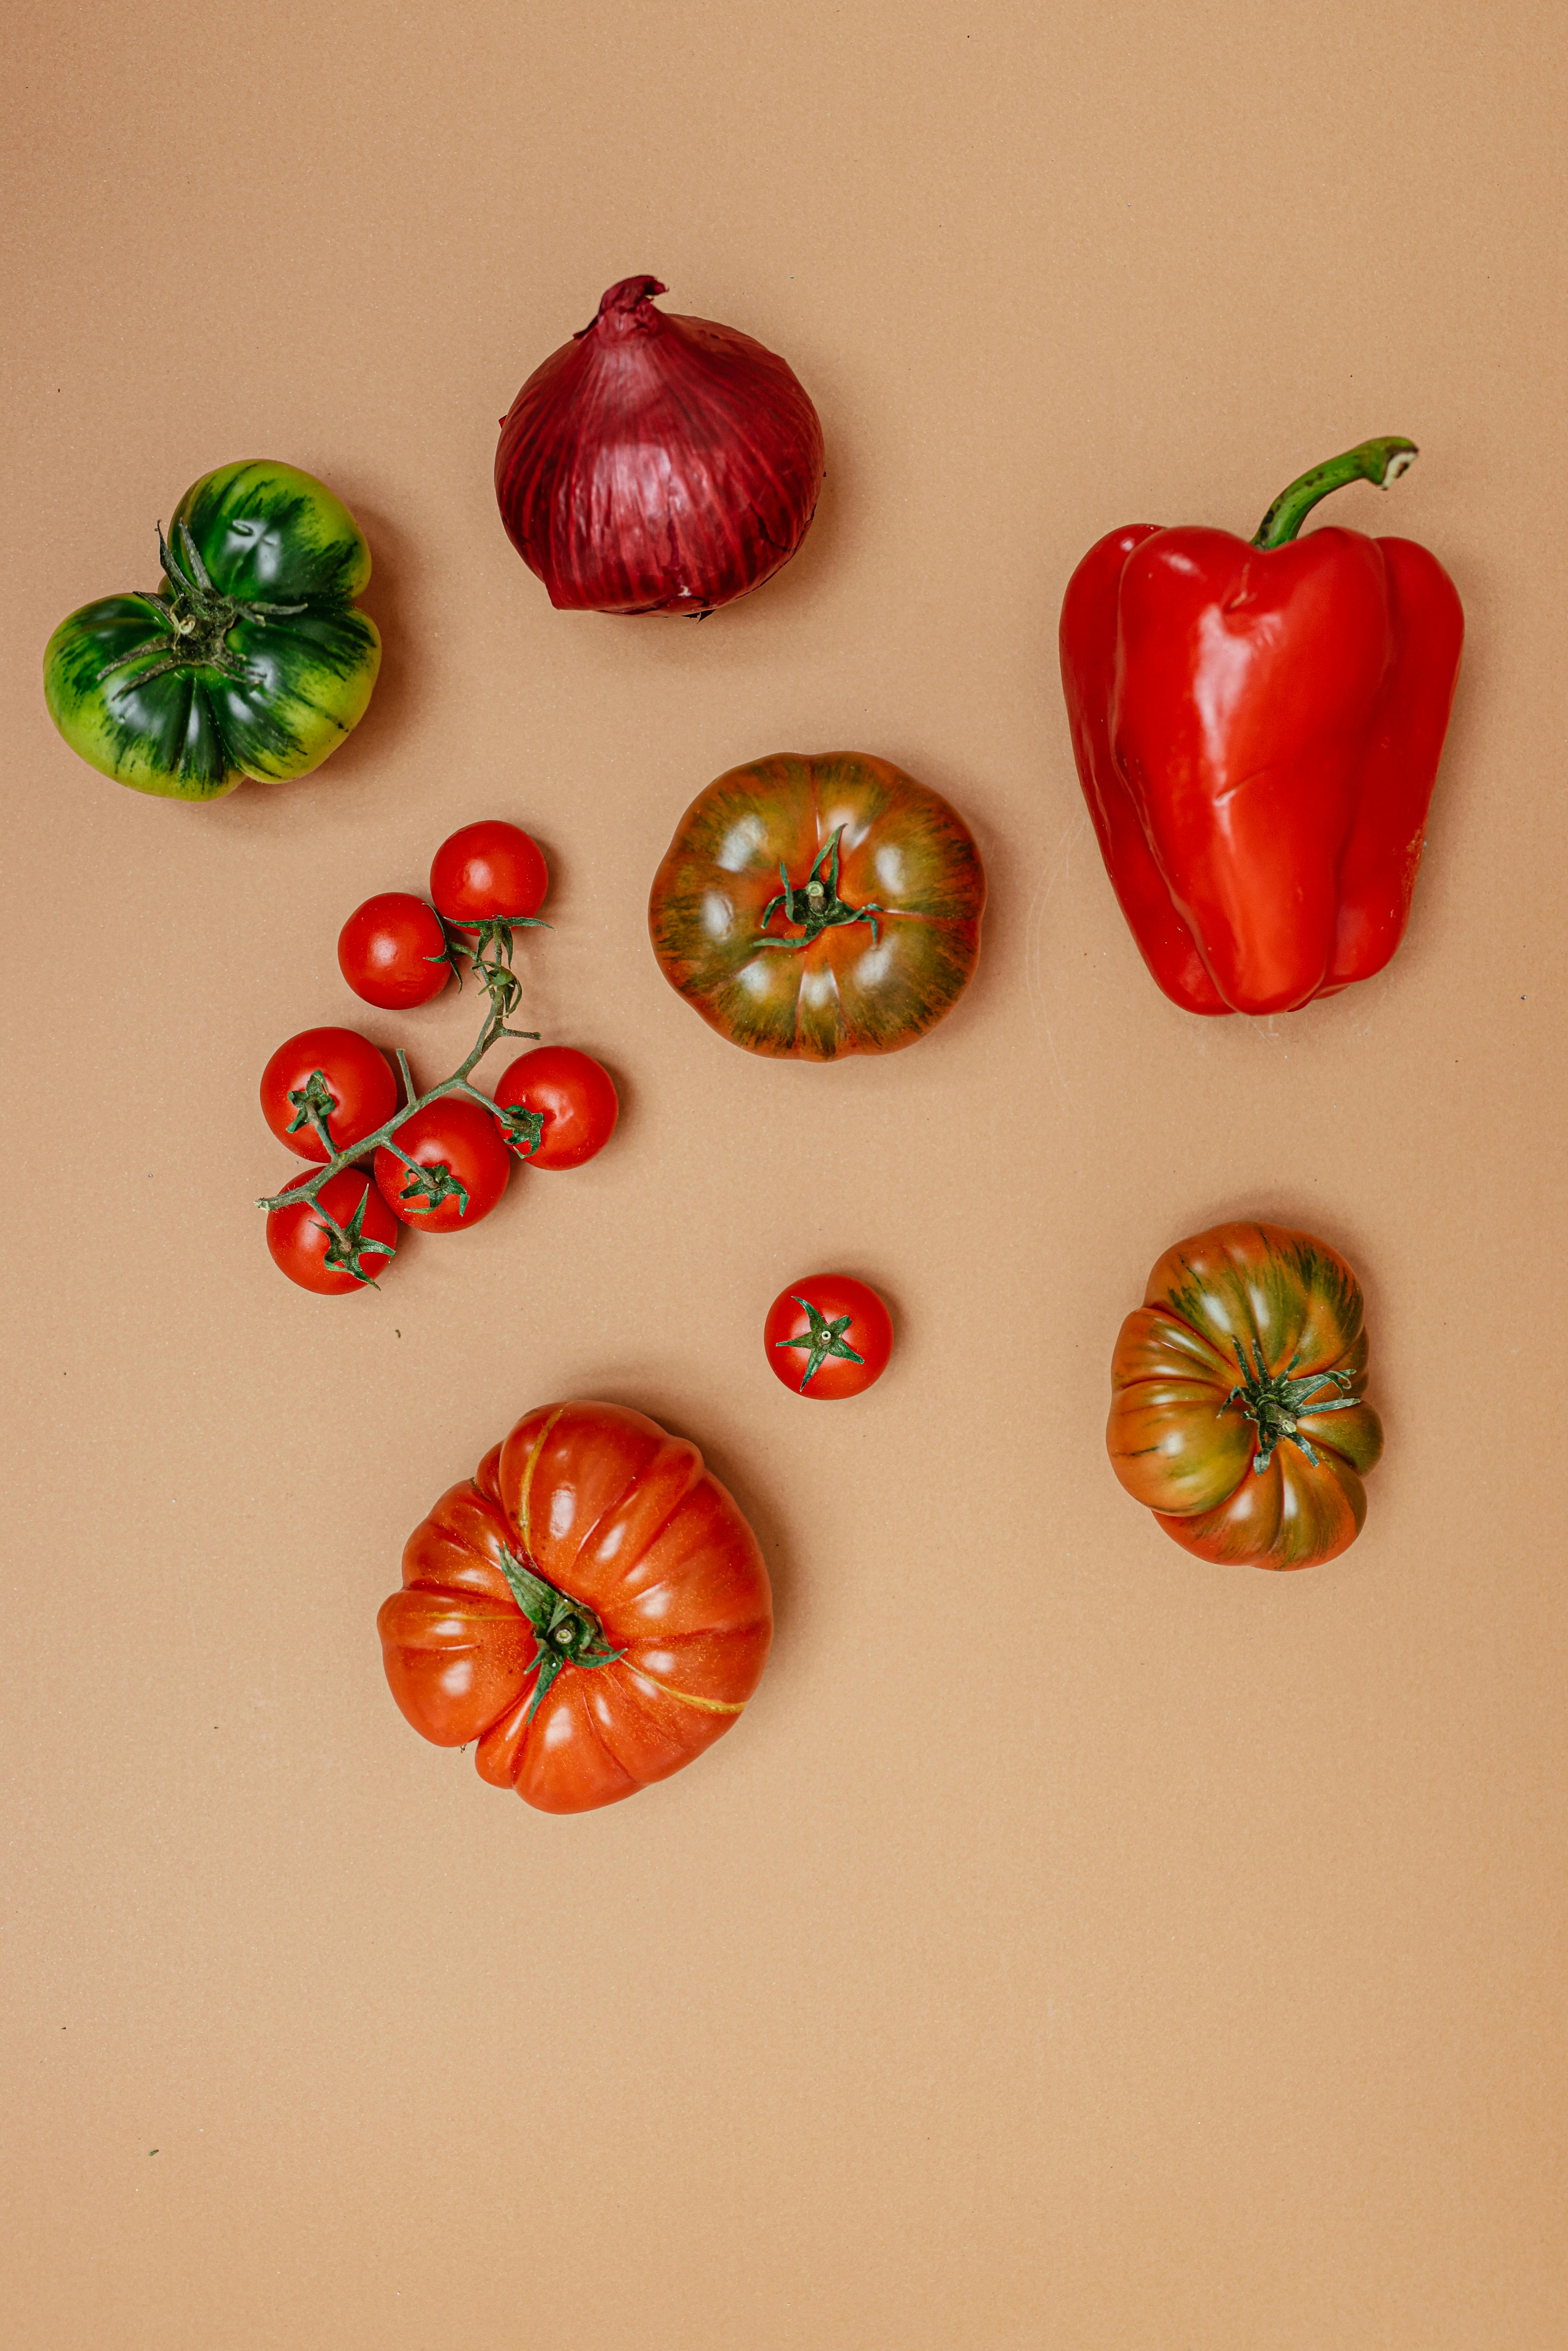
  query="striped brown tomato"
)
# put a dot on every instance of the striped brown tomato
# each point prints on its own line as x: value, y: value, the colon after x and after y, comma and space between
x: 591, y: 1608
x: 813, y: 908
x: 1237, y: 1398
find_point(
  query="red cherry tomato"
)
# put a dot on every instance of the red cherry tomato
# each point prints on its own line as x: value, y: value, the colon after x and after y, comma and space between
x: 467, y: 1165
x: 337, y: 1073
x: 827, y: 1336
x: 305, y: 1247
x: 488, y: 873
x: 575, y: 1100
x: 392, y: 952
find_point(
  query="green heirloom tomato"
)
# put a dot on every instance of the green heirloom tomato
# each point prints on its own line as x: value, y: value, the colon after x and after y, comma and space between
x: 250, y: 660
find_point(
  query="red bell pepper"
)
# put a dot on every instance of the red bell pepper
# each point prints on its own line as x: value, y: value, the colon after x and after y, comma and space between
x: 1257, y: 727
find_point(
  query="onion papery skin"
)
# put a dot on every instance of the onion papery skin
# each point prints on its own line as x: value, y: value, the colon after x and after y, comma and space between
x: 656, y: 463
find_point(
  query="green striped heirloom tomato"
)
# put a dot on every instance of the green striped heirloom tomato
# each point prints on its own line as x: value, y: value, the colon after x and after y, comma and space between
x: 815, y: 907
x: 250, y: 659
x: 1238, y: 1409
x: 591, y: 1607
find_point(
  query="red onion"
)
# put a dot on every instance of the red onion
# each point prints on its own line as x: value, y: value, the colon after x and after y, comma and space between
x: 656, y: 463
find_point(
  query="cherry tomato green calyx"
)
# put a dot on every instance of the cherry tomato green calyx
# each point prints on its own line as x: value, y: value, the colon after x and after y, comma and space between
x: 326, y: 1089
x: 556, y: 1106
x: 828, y: 1337
x: 334, y: 1244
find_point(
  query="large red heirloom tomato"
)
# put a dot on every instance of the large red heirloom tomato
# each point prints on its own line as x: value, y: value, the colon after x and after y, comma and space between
x: 1237, y: 1398
x: 591, y: 1607
x: 814, y: 907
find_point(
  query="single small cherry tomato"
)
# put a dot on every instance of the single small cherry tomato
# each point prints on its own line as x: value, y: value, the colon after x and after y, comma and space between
x: 392, y: 951
x: 331, y: 1074
x: 306, y: 1248
x: 827, y: 1336
x: 574, y: 1101
x: 464, y: 1168
x: 488, y: 873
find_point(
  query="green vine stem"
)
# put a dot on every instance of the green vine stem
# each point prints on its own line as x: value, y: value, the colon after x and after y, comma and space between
x: 491, y: 959
x: 1381, y: 462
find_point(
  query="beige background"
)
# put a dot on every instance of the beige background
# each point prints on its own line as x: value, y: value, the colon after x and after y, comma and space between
x: 1076, y: 1946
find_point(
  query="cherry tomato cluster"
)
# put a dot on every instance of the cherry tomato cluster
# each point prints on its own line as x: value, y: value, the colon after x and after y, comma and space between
x: 439, y: 1160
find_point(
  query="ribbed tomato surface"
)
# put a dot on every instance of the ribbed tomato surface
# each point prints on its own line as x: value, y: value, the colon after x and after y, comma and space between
x: 1239, y: 1411
x: 652, y: 1573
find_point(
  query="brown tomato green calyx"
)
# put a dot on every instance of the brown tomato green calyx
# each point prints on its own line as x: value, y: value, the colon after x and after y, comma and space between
x: 314, y: 1104
x: 820, y: 1338
x: 194, y: 618
x: 1379, y: 462
x: 816, y: 903
x: 1276, y: 1402
x: 568, y: 1631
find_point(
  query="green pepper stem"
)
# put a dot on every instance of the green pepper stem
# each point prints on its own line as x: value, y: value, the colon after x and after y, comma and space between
x: 1371, y: 460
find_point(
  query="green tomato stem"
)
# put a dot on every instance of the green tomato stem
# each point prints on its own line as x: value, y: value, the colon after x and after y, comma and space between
x: 567, y: 1630
x: 821, y: 1339
x: 194, y: 619
x: 815, y: 902
x: 1275, y: 1403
